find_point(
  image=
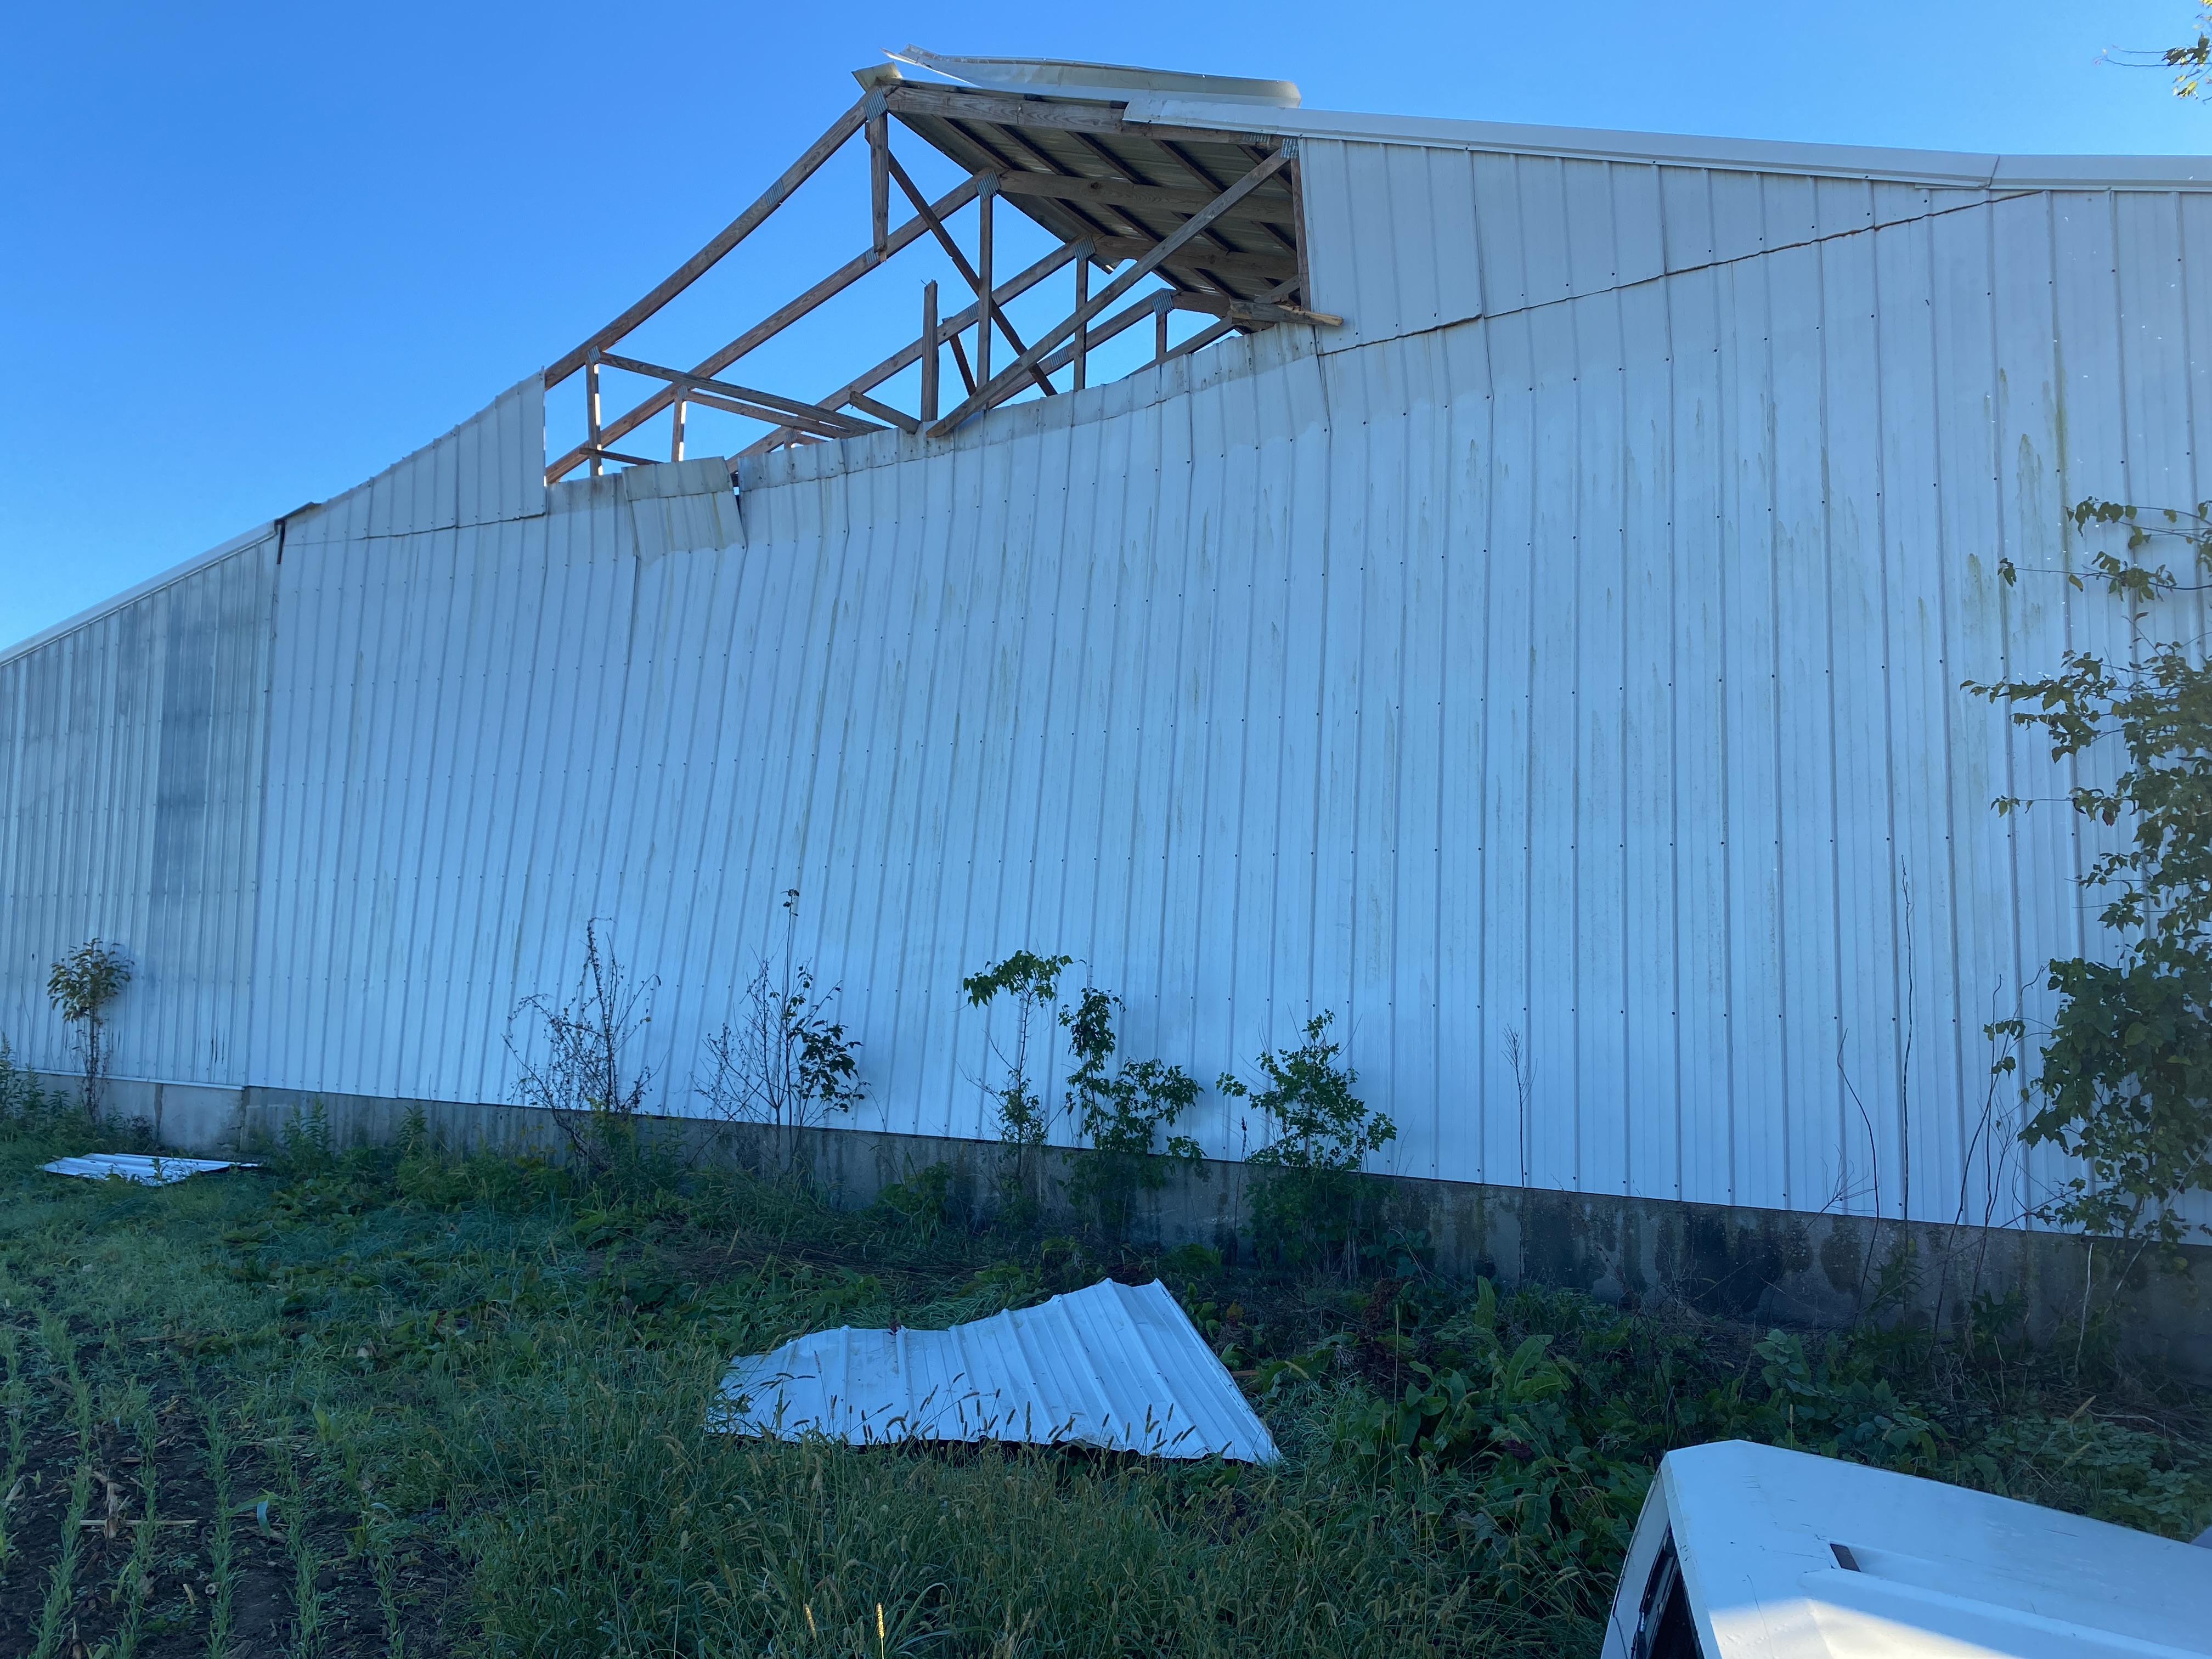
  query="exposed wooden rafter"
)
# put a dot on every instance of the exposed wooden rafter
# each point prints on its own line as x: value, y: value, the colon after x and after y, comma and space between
x: 998, y: 389
x: 1215, y: 216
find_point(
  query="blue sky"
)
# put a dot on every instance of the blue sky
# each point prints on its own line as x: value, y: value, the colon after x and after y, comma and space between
x: 251, y: 255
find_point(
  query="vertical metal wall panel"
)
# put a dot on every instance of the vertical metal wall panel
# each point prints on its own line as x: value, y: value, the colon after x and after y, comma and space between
x: 404, y: 659
x: 1555, y: 674
x: 1404, y: 237
x: 132, y: 800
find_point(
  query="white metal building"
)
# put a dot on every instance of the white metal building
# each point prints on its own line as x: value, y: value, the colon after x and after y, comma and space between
x: 1560, y: 658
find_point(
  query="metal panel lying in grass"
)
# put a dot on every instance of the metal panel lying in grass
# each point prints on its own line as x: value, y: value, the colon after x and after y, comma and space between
x: 1115, y: 1366
x: 146, y: 1170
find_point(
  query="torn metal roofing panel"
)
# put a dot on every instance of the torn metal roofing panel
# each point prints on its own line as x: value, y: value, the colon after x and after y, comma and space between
x: 1055, y: 77
x: 147, y: 1172
x: 1115, y: 1366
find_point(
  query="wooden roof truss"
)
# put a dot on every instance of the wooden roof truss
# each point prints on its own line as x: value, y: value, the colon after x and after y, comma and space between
x: 1216, y: 216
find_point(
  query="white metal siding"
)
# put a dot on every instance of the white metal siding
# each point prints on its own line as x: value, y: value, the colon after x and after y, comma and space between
x: 488, y: 470
x: 131, y: 755
x: 1583, y: 675
x: 1404, y: 236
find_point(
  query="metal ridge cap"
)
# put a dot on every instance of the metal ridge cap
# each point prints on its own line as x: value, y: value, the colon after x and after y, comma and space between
x: 153, y: 583
x: 2103, y: 172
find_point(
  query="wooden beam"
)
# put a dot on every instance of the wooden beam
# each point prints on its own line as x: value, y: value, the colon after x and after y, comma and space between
x: 948, y: 328
x: 592, y: 414
x: 884, y: 413
x: 838, y: 281
x: 1136, y: 174
x: 1081, y: 346
x: 1205, y: 336
x: 880, y: 181
x: 617, y: 455
x: 1119, y: 192
x: 983, y: 285
x: 1118, y: 248
x: 994, y: 390
x: 833, y: 284
x: 730, y: 234
x: 1204, y: 174
x: 953, y: 103
x: 1252, y: 311
x: 1298, y: 231
x: 684, y: 379
x: 825, y: 422
x: 929, y: 351
x: 1120, y: 322
x: 968, y: 272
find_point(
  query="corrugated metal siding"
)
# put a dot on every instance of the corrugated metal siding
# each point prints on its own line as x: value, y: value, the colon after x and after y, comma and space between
x: 1405, y: 237
x: 1117, y: 1366
x: 488, y: 470
x: 132, y: 750
x: 1579, y: 681
x: 413, y: 672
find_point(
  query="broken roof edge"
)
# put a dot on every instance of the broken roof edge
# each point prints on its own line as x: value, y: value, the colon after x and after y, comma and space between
x: 1059, y: 77
x: 270, y: 529
x: 1952, y: 168
x: 153, y: 583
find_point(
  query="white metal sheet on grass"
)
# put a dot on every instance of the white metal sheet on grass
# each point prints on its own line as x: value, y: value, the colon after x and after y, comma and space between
x: 146, y: 1170
x: 1115, y: 1366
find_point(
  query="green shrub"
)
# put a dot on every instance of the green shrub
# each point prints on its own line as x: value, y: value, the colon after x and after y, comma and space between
x: 1307, y: 1201
x: 1126, y: 1111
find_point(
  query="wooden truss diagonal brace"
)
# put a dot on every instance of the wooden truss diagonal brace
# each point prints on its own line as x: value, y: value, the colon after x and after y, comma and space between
x: 835, y: 284
x: 968, y: 272
x: 761, y: 405
x: 735, y: 232
x: 1001, y: 385
x: 949, y: 328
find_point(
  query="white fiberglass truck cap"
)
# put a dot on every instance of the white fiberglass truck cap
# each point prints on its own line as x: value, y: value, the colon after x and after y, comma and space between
x: 1746, y: 1552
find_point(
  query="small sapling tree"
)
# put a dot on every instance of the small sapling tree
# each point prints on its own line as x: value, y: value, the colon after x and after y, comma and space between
x: 2125, y: 1082
x: 574, y: 1060
x: 1308, y: 1202
x: 784, y: 1063
x: 1125, y: 1112
x: 81, y: 986
x: 1031, y: 983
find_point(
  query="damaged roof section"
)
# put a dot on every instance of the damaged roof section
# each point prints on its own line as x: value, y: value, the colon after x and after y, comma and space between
x: 1116, y: 1367
x: 1149, y: 220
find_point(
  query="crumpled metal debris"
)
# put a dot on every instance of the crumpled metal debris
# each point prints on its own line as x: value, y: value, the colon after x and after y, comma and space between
x: 1118, y: 1367
x: 154, y: 1170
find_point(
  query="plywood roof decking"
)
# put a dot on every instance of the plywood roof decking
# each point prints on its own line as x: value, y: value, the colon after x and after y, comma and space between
x: 1079, y: 171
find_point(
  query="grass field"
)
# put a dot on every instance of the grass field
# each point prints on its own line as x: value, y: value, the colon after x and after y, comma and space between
x: 406, y: 1403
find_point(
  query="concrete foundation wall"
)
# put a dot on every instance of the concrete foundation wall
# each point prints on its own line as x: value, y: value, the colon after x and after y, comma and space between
x: 1742, y: 1263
